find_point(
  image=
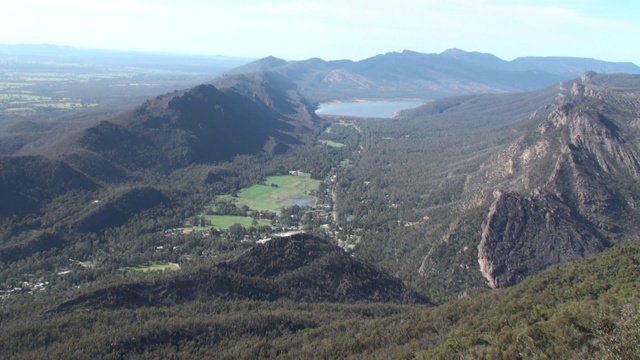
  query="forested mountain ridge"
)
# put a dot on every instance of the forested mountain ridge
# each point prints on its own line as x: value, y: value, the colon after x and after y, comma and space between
x: 204, y: 124
x: 427, y: 76
x: 27, y: 182
x: 503, y: 186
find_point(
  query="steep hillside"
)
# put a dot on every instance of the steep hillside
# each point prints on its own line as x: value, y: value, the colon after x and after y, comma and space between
x: 205, y: 124
x: 586, y: 310
x: 23, y: 247
x: 28, y: 182
x: 119, y: 207
x: 481, y: 191
x: 97, y: 167
x: 427, y: 76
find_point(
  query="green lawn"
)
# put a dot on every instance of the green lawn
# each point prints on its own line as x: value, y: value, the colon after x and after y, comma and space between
x: 349, y: 124
x: 225, y: 221
x: 288, y: 190
x: 332, y: 143
x: 10, y: 101
x: 153, y: 267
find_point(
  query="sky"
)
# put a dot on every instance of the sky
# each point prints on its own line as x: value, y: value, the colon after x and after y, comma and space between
x: 331, y: 29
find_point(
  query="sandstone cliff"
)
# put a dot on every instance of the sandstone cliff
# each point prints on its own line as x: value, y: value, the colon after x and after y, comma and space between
x: 567, y: 188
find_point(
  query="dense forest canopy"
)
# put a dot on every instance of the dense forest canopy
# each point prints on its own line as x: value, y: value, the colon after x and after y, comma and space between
x: 228, y: 220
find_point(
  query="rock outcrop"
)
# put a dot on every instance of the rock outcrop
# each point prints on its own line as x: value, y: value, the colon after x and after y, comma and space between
x: 568, y: 188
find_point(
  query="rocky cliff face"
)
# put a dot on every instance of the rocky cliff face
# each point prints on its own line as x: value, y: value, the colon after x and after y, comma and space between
x: 567, y: 188
x: 523, y: 235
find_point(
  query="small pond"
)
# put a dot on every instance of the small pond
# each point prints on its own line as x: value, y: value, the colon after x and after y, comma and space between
x: 302, y: 202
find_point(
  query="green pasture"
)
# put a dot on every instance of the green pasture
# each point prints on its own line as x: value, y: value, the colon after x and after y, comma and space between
x: 225, y: 221
x: 152, y: 267
x: 349, y: 124
x: 28, y: 91
x: 61, y: 105
x: 267, y: 197
x: 13, y: 85
x: 23, y: 109
x: 23, y: 100
x: 23, y: 97
x: 332, y: 143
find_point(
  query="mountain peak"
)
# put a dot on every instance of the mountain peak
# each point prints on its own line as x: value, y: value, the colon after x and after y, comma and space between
x: 476, y: 57
x: 259, y: 65
x: 454, y: 52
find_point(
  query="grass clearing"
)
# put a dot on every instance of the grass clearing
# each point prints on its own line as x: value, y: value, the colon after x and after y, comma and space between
x: 349, y: 124
x: 20, y: 101
x: 225, y: 221
x: 152, y: 267
x: 332, y: 143
x: 18, y: 110
x: 13, y: 85
x: 280, y: 191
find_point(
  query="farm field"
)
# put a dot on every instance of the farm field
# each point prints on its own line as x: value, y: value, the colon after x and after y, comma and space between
x: 225, y: 221
x: 27, y: 91
x: 349, y: 124
x: 278, y: 192
x: 43, y: 81
x: 332, y: 143
x: 153, y: 267
x: 23, y: 101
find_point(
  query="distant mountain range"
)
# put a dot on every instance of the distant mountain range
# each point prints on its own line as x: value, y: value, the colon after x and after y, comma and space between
x: 427, y: 76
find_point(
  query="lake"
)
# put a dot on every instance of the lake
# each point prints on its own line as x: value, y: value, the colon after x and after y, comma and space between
x: 379, y: 109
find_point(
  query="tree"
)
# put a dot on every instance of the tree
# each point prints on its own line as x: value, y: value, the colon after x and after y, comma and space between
x: 237, y: 230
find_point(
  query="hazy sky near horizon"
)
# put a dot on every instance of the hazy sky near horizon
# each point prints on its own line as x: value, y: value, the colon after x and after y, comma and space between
x: 332, y: 29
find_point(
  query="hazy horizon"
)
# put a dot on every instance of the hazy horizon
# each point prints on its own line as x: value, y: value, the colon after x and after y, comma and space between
x: 331, y: 29
x: 249, y: 59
